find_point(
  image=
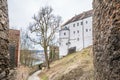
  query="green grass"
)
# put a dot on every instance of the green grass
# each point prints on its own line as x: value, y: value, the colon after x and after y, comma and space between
x: 44, y: 77
x: 75, y: 63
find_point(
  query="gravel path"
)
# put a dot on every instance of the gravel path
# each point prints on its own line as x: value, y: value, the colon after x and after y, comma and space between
x: 34, y: 76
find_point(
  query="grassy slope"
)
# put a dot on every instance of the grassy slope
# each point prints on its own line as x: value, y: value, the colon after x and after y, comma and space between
x: 77, y: 66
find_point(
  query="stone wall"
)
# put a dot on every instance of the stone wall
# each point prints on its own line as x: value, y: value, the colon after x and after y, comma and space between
x: 4, y: 59
x: 106, y: 25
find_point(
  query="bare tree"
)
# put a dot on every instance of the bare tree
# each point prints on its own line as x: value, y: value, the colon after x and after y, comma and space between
x: 45, y: 26
x: 25, y: 42
x: 25, y: 56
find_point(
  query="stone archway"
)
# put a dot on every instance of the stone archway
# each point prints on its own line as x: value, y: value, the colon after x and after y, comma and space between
x: 106, y: 48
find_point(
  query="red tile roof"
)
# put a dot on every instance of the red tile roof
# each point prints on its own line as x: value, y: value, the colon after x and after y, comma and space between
x: 79, y: 17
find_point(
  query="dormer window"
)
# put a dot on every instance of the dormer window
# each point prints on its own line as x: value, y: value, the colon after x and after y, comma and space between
x: 86, y: 22
x: 65, y: 27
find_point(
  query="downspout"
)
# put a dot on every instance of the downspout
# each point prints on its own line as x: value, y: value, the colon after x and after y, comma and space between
x: 83, y: 32
x: 68, y: 40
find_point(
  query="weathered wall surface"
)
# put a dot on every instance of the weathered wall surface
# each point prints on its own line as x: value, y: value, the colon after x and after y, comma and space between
x: 14, y: 41
x: 4, y: 59
x: 106, y: 25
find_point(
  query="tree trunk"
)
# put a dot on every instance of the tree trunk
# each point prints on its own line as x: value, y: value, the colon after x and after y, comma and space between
x: 106, y: 48
x: 46, y: 58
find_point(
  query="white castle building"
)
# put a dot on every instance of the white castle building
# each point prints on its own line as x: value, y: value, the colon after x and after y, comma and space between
x: 76, y: 33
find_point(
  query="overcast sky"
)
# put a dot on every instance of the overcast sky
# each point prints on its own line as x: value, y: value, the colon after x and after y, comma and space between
x: 21, y: 11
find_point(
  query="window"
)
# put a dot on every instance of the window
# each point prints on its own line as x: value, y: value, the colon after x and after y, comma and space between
x: 77, y: 31
x: 74, y: 32
x: 64, y: 33
x: 86, y: 30
x: 89, y: 29
x: 86, y: 22
x: 69, y: 42
x: 73, y: 25
x: 77, y: 24
x: 78, y: 39
x: 66, y: 43
x: 59, y: 43
x: 65, y: 27
x: 81, y: 23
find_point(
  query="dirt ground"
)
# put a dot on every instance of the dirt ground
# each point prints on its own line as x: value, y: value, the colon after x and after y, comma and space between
x: 76, y: 66
x: 22, y: 73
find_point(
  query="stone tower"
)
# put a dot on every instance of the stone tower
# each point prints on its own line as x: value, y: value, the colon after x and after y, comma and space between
x: 4, y: 56
x: 106, y: 25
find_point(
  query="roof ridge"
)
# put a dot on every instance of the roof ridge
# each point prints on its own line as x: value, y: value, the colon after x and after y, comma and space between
x: 80, y: 16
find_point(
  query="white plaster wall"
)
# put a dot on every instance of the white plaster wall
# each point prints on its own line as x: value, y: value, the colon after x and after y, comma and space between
x: 63, y: 39
x: 88, y: 34
x: 61, y: 34
x: 73, y: 37
x: 63, y: 47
